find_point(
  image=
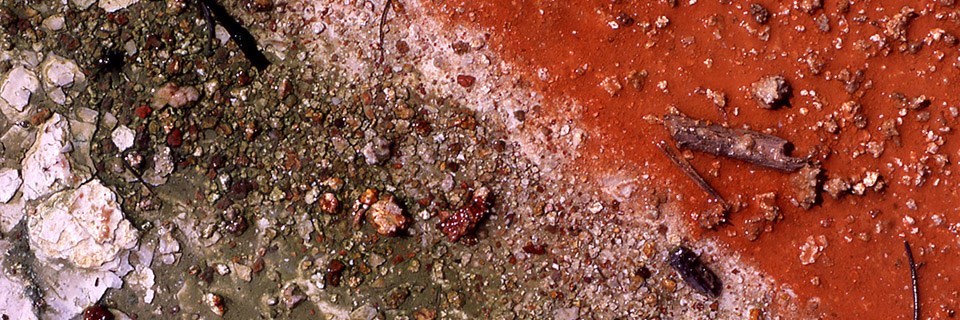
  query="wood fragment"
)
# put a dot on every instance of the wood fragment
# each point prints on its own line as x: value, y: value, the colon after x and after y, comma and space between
x: 240, y: 35
x: 913, y: 280
x: 746, y: 145
x: 691, y: 172
x: 383, y: 21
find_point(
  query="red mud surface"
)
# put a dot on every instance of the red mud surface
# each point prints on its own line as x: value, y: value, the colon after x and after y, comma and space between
x: 862, y: 272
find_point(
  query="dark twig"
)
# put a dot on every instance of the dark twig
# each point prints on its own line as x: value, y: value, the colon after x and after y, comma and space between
x: 383, y: 21
x: 691, y: 172
x: 240, y: 35
x: 913, y: 279
x: 211, y: 29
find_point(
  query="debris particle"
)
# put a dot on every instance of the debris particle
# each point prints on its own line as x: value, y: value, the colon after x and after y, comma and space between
x: 836, y: 187
x: 760, y: 14
x: 808, y: 6
x: 694, y: 273
x: 328, y: 203
x: 690, y: 172
x: 914, y: 283
x: 175, y: 96
x: 611, y: 85
x: 292, y: 296
x: 804, y: 184
x: 216, y: 303
x: 334, y: 273
x: 386, y: 216
x: 812, y: 249
x: 465, y: 80
x: 97, y: 312
x: 772, y: 92
x: 377, y: 151
x: 463, y: 221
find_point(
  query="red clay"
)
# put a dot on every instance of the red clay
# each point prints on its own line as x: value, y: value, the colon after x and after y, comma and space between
x: 709, y: 45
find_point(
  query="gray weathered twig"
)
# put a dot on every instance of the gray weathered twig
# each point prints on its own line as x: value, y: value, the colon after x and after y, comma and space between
x: 750, y: 146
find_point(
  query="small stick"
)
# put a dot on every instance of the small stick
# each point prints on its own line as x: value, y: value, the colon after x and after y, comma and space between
x: 383, y: 21
x: 211, y: 29
x: 690, y: 172
x: 240, y: 35
x: 913, y: 278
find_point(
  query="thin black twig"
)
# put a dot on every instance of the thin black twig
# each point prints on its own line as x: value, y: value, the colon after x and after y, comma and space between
x: 383, y: 21
x: 240, y: 35
x: 913, y: 279
x: 211, y: 29
x: 691, y: 172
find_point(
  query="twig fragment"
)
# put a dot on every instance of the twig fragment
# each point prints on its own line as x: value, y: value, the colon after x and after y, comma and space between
x: 746, y: 145
x: 691, y: 172
x: 383, y: 21
x: 240, y: 35
x: 913, y: 279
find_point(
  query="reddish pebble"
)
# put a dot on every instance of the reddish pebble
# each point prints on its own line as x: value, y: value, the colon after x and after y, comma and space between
x: 465, y: 80
x: 536, y: 249
x: 97, y: 312
x: 175, y: 138
x: 143, y: 111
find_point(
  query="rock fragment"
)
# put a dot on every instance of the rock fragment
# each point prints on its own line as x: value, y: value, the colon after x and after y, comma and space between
x: 83, y: 227
x: 455, y: 225
x: 804, y: 184
x: 386, y: 216
x: 174, y: 95
x: 216, y: 303
x: 836, y: 187
x: 772, y: 92
x: 9, y: 183
x: 808, y: 6
x: 122, y: 137
x: 377, y: 151
x: 15, y: 90
x: 46, y: 166
x: 60, y: 72
x: 812, y: 249
x: 82, y: 244
x: 115, y: 5
x: 760, y: 14
x: 14, y: 299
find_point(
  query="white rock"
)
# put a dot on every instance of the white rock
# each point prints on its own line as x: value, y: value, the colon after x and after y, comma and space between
x: 13, y: 298
x: 69, y: 290
x: 82, y: 4
x: 162, y: 167
x: 168, y: 248
x: 57, y: 95
x: 114, y: 5
x: 122, y: 137
x: 46, y: 167
x: 81, y: 227
x: 60, y: 72
x: 17, y: 87
x: 11, y: 214
x: 54, y: 22
x: 17, y: 140
x: 82, y: 244
x: 9, y: 183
